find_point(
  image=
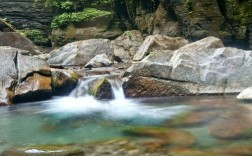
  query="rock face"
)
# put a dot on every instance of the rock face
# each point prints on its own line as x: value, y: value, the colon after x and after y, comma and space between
x: 202, y: 67
x: 16, y: 40
x: 126, y: 45
x: 24, y: 15
x: 22, y: 80
x: 97, y: 28
x: 228, y: 20
x: 79, y: 53
x: 158, y: 42
x: 5, y: 27
x: 245, y: 95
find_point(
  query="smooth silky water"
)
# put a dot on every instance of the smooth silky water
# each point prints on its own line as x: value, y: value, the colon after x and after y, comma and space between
x: 71, y: 120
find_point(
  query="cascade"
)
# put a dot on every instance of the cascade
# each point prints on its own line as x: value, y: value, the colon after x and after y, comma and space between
x: 83, y: 86
x: 80, y: 103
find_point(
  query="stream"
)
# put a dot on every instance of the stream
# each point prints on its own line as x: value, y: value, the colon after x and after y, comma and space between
x: 84, y: 119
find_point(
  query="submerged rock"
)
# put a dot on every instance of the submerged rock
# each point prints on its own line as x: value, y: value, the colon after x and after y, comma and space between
x: 45, y: 151
x: 173, y: 137
x: 193, y: 118
x: 233, y: 124
x: 245, y: 95
x: 80, y: 52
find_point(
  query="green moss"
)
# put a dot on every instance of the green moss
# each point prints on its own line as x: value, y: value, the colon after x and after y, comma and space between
x: 97, y: 85
x: 36, y: 36
x: 89, y: 14
x: 189, y: 5
x: 242, y: 11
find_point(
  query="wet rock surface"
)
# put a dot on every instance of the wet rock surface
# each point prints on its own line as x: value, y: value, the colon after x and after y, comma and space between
x: 233, y: 124
x: 63, y: 81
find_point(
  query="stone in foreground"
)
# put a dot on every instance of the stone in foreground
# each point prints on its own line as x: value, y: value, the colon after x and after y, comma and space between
x: 45, y: 151
x: 246, y: 95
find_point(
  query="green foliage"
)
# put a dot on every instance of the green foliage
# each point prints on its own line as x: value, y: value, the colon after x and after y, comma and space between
x: 74, y: 11
x: 36, y: 36
x: 242, y: 10
x: 189, y: 5
x: 88, y: 14
x: 72, y: 5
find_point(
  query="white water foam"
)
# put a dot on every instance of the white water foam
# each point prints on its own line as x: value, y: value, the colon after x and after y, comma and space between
x: 118, y: 109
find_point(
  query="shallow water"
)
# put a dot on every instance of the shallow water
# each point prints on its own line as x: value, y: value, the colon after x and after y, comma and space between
x: 68, y: 120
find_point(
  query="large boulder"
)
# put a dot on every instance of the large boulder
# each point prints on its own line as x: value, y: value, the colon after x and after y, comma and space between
x: 126, y: 45
x: 100, y: 60
x: 9, y: 74
x: 14, y: 39
x: 158, y: 42
x: 22, y: 80
x: 63, y: 81
x: 202, y: 67
x: 80, y: 52
x: 245, y: 95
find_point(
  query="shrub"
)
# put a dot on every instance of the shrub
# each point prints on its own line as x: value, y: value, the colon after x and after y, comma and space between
x: 87, y: 14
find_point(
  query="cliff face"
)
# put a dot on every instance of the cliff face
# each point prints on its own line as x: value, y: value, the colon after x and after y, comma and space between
x: 229, y: 20
x: 24, y: 15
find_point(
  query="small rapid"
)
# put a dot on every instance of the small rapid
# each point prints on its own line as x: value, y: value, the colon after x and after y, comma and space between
x: 80, y: 103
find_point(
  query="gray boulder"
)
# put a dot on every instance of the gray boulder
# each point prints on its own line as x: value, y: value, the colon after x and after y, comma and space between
x: 245, y: 95
x: 100, y: 60
x: 9, y: 74
x: 23, y: 78
x: 16, y: 40
x: 80, y: 52
x: 202, y: 67
x: 126, y: 45
x: 158, y: 42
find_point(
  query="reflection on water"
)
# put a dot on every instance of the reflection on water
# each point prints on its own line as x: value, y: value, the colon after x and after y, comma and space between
x: 206, y: 123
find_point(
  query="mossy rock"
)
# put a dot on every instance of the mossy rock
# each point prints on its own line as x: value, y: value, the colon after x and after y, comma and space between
x: 45, y: 150
x: 63, y: 81
x: 101, y: 89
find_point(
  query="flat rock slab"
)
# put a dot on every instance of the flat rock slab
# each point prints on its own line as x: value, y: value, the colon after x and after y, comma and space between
x: 45, y: 151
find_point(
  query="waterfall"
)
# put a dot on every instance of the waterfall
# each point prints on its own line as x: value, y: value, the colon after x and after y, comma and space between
x: 80, y: 103
x: 84, y: 85
x: 117, y: 89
